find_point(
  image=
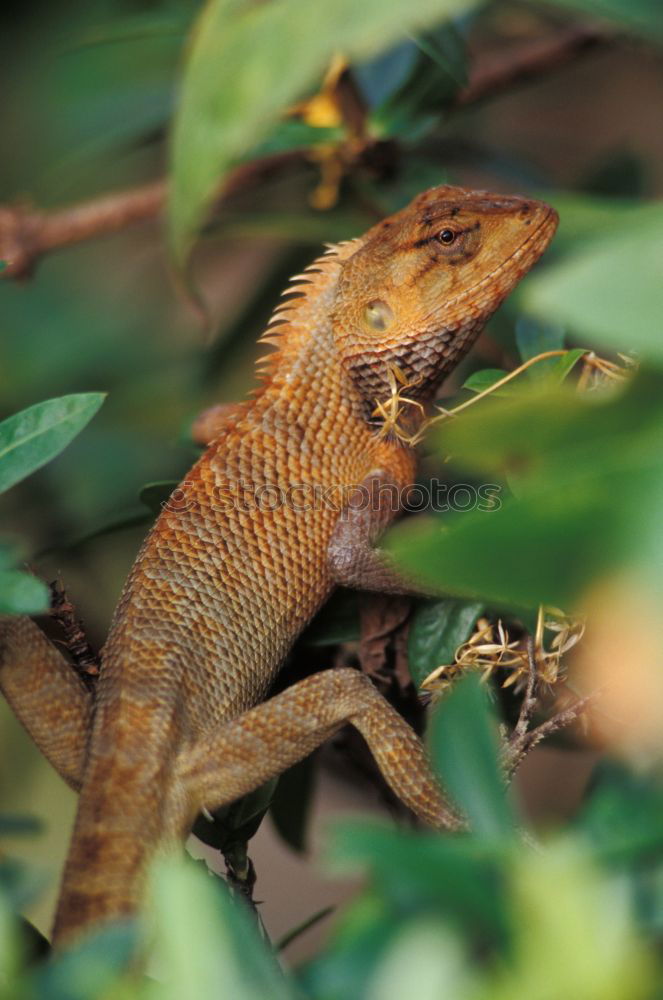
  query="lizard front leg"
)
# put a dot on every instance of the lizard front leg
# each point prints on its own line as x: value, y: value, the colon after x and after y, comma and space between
x: 268, y: 739
x: 354, y: 559
x: 47, y: 696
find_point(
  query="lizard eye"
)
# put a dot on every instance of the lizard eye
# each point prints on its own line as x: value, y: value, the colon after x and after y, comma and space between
x: 378, y: 315
x: 447, y: 237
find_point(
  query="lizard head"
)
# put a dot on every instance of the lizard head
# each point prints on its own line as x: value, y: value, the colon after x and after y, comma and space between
x: 414, y: 296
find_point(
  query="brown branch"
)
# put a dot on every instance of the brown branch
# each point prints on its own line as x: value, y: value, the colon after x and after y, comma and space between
x: 26, y: 233
x: 517, y: 751
x: 529, y: 62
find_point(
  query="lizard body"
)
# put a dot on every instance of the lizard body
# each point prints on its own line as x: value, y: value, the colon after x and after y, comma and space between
x: 252, y: 544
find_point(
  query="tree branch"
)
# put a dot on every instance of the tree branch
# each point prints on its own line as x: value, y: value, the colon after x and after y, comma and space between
x: 529, y: 62
x: 26, y: 233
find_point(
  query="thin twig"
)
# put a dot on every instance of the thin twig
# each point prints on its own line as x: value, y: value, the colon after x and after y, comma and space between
x: 559, y: 721
x: 85, y: 660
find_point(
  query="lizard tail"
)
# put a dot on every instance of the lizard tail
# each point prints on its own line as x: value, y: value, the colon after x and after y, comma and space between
x: 46, y: 694
x: 129, y: 808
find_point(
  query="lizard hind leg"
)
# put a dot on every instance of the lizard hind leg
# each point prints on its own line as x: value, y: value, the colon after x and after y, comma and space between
x: 244, y: 753
x: 46, y: 694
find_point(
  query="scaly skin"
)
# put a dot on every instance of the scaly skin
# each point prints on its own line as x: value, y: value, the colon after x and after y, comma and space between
x: 229, y: 576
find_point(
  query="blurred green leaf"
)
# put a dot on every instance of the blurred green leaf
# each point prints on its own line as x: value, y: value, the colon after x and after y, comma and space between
x: 458, y: 877
x: 20, y: 884
x: 12, y: 825
x: 620, y: 174
x: 465, y: 747
x: 89, y: 968
x: 34, y: 436
x: 155, y: 495
x: 439, y: 70
x: 10, y: 553
x: 482, y: 380
x: 215, y: 951
x: 623, y: 815
x: 110, y: 87
x: 536, y: 337
x: 589, y: 476
x: 291, y: 805
x: 563, y: 366
x: 642, y: 16
x: 338, y: 621
x: 239, y: 78
x: 232, y: 826
x: 586, y: 219
x: 442, y: 968
x: 22, y: 594
x: 573, y: 933
x: 608, y: 290
x: 361, y: 937
x: 437, y: 629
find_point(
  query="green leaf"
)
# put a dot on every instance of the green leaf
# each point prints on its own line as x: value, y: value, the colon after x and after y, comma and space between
x: 642, y: 16
x: 154, y: 495
x: 623, y: 815
x: 232, y: 826
x: 88, y: 969
x: 22, y: 593
x: 589, y: 475
x: 465, y: 747
x: 436, y: 631
x: 12, y: 825
x: 482, y: 380
x: 291, y: 805
x: 337, y: 621
x: 215, y: 951
x: 608, y: 290
x: 438, y: 72
x: 240, y: 76
x: 20, y: 884
x: 534, y: 338
x: 458, y: 877
x: 561, y: 367
x: 34, y: 436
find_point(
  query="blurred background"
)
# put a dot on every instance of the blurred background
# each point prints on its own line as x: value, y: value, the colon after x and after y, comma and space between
x: 558, y: 100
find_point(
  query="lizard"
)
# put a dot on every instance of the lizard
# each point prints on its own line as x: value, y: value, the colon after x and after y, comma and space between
x: 287, y: 501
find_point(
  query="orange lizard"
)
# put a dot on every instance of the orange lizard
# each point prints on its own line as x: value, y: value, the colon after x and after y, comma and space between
x: 252, y: 544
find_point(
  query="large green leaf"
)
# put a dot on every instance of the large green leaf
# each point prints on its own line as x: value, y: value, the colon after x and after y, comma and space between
x: 589, y: 478
x: 610, y: 289
x: 34, y: 436
x: 436, y: 631
x: 90, y: 968
x: 457, y: 877
x: 292, y: 802
x: 623, y: 816
x: 21, y: 593
x: 206, y: 945
x: 247, y: 62
x: 465, y: 747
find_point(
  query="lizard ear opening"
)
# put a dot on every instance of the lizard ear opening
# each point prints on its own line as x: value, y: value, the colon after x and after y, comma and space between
x: 378, y: 316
